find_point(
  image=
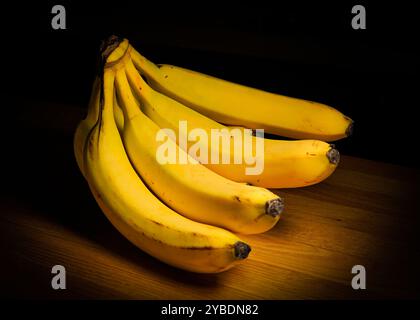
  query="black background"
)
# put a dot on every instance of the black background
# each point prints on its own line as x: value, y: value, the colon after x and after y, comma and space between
x: 294, y: 48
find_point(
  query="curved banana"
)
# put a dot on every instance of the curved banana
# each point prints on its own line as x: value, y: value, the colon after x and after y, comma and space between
x: 86, y: 125
x: 190, y: 188
x: 138, y: 214
x: 117, y: 50
x: 235, y: 104
x: 287, y: 164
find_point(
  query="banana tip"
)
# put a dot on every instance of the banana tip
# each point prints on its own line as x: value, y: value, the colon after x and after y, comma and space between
x: 242, y: 250
x: 333, y: 155
x: 350, y: 128
x: 274, y: 207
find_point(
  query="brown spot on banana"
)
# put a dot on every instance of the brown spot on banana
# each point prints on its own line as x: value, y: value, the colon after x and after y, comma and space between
x: 198, y: 248
x: 311, y: 154
x: 158, y: 223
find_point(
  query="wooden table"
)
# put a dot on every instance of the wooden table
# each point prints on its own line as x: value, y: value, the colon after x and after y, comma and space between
x: 365, y: 214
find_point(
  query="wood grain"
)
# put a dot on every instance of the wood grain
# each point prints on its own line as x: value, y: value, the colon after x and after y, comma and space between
x: 365, y: 213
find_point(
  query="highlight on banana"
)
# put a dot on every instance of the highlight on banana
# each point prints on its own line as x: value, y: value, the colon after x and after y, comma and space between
x: 170, y: 157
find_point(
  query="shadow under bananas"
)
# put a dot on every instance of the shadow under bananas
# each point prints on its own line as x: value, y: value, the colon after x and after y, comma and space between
x: 46, y: 180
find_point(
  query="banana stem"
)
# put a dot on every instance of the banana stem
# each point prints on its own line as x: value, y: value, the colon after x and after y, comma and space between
x: 274, y: 207
x: 333, y: 155
x: 241, y: 250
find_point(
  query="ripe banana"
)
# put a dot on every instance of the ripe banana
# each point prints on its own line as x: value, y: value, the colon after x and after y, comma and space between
x: 138, y: 214
x: 287, y: 164
x: 86, y: 125
x: 190, y: 188
x: 235, y: 104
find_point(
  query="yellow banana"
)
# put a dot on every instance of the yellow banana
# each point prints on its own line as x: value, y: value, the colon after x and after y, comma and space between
x: 138, y: 214
x: 287, y: 164
x: 235, y: 104
x: 117, y: 51
x: 190, y: 188
x: 118, y: 115
x: 86, y: 125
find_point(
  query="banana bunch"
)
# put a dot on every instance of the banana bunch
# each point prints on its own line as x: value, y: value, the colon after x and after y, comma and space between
x: 186, y: 214
x: 287, y: 164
